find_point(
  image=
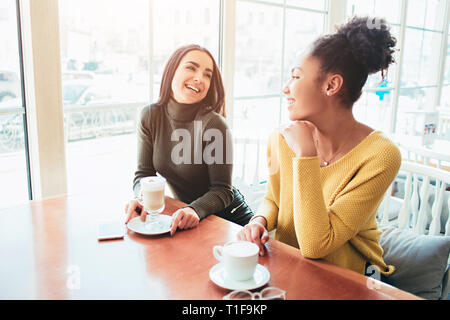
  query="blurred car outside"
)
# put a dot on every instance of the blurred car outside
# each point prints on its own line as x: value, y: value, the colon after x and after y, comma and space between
x: 10, y: 86
x: 77, y: 75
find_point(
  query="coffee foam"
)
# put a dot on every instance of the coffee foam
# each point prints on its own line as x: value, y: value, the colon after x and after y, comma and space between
x: 241, y: 249
x: 155, y: 183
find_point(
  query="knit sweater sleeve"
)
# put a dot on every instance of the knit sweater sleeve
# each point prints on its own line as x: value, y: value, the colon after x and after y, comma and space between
x: 218, y: 154
x: 321, y: 229
x: 145, y: 166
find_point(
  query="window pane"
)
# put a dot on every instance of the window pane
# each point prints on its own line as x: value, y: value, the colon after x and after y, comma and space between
x: 444, y: 111
x: 299, y: 36
x: 317, y: 4
x: 374, y: 107
x: 105, y: 78
x: 412, y: 100
x: 418, y: 82
x: 13, y: 167
x: 10, y: 83
x: 265, y: 54
x: 447, y: 64
x: 390, y: 10
x: 420, y: 57
x: 178, y: 23
x: 104, y: 51
x: 258, y: 54
x: 428, y: 14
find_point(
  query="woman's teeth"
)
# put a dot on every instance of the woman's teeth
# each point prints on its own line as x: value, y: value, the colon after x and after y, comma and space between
x: 193, y: 88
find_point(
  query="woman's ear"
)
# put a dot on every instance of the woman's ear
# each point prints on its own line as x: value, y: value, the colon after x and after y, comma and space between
x: 334, y: 84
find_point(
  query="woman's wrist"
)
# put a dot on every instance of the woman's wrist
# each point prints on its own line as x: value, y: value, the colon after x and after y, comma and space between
x: 259, y: 220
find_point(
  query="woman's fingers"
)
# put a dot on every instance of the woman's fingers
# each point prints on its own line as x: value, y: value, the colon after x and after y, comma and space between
x: 245, y: 234
x: 131, y: 210
x: 255, y: 233
x: 183, y: 219
x: 176, y: 217
x: 265, y: 236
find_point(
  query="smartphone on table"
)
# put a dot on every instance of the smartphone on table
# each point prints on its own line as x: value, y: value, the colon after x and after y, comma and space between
x: 110, y: 230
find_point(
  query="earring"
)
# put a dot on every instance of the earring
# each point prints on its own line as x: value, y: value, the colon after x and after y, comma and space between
x: 328, y: 93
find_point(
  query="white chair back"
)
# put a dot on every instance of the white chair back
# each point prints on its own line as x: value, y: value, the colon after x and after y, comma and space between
x: 424, y: 155
x: 416, y: 213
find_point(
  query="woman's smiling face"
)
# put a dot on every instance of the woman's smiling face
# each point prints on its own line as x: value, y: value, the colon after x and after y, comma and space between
x: 192, y: 79
x: 303, y: 91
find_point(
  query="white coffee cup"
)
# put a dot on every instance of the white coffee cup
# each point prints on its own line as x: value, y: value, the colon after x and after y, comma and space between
x: 152, y: 193
x: 239, y: 259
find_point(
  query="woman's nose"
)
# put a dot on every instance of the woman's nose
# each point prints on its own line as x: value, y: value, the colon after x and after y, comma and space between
x: 286, y: 89
x: 197, y: 77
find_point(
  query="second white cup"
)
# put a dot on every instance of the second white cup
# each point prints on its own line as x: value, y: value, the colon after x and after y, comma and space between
x: 239, y: 259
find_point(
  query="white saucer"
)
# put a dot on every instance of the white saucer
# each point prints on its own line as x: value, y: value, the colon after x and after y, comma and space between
x: 162, y: 226
x: 260, y: 278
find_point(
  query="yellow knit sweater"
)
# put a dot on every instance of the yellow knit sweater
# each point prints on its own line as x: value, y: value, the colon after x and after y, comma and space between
x: 330, y: 212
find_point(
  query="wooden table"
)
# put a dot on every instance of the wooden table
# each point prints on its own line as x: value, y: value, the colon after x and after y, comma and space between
x: 49, y: 250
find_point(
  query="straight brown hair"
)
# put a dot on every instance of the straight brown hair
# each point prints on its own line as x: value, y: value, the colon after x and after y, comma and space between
x: 214, y: 99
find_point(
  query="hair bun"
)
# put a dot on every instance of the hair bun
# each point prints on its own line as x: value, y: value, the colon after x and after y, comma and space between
x: 370, y: 41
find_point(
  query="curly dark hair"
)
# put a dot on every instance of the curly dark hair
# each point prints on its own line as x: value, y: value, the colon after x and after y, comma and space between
x: 360, y: 47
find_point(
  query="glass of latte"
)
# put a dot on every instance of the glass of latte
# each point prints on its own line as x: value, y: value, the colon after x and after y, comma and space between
x: 152, y: 195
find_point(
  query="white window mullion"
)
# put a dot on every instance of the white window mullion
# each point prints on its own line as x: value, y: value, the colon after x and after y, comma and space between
x: 399, y: 59
x: 336, y: 14
x: 443, y: 55
x: 151, y: 17
x: 283, y: 46
x: 228, y: 54
x: 45, y: 118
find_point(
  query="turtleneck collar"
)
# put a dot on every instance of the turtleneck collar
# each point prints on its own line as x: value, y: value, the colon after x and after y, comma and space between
x: 181, y: 111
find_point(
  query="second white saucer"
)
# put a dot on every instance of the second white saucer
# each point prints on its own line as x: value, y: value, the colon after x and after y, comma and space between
x: 218, y: 276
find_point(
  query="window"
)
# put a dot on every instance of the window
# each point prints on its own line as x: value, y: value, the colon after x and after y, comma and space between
x: 390, y: 10
x: 113, y: 55
x: 420, y: 70
x: 374, y: 107
x: 14, y: 178
x: 203, y: 29
x: 105, y: 82
x: 420, y: 64
x: 444, y: 110
x: 269, y: 38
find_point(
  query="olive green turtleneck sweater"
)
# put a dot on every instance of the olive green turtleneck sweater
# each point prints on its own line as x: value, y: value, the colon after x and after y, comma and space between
x: 193, y: 179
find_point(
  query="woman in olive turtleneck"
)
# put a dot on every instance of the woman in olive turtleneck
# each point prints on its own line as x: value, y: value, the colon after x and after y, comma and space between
x: 184, y: 137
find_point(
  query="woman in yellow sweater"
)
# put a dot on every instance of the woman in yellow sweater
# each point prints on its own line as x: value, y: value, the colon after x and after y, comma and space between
x: 328, y: 172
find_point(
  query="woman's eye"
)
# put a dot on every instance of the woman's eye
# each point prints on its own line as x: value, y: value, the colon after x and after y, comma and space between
x: 295, y: 77
x: 209, y: 76
x: 190, y: 68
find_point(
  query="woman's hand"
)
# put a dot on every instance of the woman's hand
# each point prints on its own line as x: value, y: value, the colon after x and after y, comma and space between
x: 133, y: 209
x: 184, y: 218
x: 256, y: 232
x: 299, y: 137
